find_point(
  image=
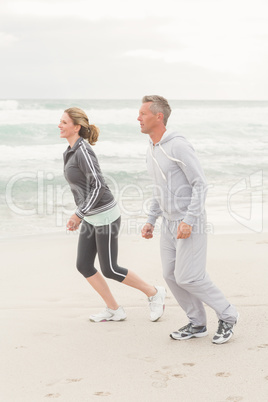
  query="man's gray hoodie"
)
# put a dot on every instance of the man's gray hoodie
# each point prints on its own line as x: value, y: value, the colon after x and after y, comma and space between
x: 179, y: 181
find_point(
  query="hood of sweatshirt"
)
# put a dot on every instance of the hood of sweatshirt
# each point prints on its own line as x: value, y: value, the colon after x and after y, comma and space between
x: 165, y: 145
x: 180, y: 184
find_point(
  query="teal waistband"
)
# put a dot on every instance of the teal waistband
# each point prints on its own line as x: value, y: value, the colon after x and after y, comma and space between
x: 104, y: 218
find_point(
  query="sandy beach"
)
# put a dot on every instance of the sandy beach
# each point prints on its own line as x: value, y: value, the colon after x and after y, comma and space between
x: 51, y: 351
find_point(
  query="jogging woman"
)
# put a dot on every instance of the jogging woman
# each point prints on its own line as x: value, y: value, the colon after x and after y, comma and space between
x: 99, y: 216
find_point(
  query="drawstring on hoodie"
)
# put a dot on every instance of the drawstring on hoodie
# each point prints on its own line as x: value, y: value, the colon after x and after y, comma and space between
x: 168, y: 156
x: 164, y: 177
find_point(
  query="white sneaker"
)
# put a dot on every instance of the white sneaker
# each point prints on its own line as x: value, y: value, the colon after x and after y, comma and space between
x: 109, y: 315
x: 157, y: 303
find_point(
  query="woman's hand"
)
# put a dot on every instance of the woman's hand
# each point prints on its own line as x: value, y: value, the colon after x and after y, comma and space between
x: 73, y: 223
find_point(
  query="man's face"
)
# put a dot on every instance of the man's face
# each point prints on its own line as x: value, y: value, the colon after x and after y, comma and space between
x: 148, y: 120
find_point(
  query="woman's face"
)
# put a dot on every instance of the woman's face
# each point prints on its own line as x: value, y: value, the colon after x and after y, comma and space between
x: 67, y: 127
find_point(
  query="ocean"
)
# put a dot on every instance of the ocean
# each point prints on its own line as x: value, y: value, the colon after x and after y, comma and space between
x: 230, y: 139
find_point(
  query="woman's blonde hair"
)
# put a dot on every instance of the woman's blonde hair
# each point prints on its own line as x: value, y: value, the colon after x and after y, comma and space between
x: 87, y: 131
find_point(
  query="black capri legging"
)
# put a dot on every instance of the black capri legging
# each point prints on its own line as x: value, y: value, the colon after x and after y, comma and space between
x: 104, y: 241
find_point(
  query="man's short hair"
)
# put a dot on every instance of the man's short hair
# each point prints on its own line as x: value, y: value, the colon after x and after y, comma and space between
x: 159, y: 105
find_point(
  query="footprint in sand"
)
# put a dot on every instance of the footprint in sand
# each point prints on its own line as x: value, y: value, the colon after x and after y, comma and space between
x: 69, y: 380
x: 147, y: 359
x: 264, y: 345
x: 46, y: 334
x: 179, y: 375
x: 188, y: 364
x: 52, y: 396
x: 101, y: 393
x: 222, y: 374
x: 161, y: 379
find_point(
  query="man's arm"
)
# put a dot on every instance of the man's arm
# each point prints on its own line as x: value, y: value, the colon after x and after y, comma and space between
x: 154, y: 212
x: 196, y: 179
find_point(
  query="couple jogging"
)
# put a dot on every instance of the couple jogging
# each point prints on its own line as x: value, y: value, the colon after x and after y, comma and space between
x: 179, y: 198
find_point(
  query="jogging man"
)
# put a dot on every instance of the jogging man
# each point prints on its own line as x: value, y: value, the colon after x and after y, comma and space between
x: 179, y: 197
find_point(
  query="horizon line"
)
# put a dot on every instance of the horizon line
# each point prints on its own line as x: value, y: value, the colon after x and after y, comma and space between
x: 139, y: 99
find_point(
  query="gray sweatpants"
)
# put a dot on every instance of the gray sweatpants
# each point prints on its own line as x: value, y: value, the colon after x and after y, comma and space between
x: 184, y: 270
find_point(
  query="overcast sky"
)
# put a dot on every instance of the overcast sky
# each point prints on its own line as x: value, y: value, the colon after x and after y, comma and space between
x: 182, y: 49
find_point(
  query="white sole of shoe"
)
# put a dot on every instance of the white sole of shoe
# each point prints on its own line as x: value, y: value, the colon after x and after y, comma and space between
x: 106, y: 319
x: 160, y: 315
x: 163, y: 300
x: 222, y: 340
x: 198, y: 335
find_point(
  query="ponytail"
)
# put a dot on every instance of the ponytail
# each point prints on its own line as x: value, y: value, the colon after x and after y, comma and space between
x: 91, y: 133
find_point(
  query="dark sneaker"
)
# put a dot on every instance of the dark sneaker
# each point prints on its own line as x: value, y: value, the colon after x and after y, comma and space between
x: 224, y: 332
x: 189, y: 331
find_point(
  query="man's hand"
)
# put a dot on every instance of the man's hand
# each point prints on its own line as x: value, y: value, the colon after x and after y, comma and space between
x: 147, y: 231
x: 184, y: 231
x: 73, y: 223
